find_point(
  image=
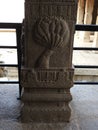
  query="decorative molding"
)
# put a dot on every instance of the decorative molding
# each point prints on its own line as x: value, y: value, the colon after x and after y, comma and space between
x: 31, y: 97
x: 47, y: 78
x: 51, y: 8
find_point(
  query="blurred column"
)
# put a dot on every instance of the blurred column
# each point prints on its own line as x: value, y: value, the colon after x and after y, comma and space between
x: 95, y: 44
x: 88, y: 17
x: 80, y: 13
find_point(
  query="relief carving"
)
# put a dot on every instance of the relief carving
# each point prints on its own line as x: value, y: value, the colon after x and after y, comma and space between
x: 51, y: 33
x: 47, y: 78
x: 47, y: 72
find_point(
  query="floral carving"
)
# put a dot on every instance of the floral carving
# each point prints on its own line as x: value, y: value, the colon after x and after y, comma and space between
x: 52, y: 33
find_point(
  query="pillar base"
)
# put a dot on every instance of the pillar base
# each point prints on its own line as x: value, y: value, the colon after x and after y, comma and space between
x: 46, y: 95
x: 46, y: 114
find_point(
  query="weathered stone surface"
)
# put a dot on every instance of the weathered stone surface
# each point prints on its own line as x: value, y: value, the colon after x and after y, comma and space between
x: 47, y: 73
x: 38, y: 9
x: 46, y: 114
x: 47, y: 78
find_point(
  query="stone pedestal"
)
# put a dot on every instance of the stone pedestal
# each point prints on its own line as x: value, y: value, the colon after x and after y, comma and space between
x: 47, y: 73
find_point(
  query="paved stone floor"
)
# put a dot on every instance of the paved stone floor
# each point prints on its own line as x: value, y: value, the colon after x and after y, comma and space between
x: 84, y: 110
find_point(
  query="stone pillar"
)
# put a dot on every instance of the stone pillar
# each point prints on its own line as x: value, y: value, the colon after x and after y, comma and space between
x: 88, y: 17
x: 95, y: 43
x: 80, y: 13
x: 47, y: 74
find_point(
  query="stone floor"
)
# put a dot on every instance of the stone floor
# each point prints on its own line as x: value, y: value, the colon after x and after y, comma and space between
x: 84, y: 110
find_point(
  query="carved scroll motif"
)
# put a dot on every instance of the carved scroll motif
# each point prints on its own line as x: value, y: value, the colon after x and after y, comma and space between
x: 51, y: 33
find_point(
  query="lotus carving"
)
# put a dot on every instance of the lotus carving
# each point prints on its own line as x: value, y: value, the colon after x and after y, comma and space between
x: 51, y: 33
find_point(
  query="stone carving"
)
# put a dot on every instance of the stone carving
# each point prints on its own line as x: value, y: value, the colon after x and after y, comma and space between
x: 52, y: 33
x: 47, y: 78
x: 53, y: 114
x: 47, y: 73
x: 47, y: 8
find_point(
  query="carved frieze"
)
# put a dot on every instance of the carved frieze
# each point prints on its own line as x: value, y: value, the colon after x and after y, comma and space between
x: 53, y: 8
x: 47, y: 78
x: 57, y: 8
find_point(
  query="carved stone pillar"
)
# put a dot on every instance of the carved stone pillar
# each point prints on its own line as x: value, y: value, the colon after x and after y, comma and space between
x: 47, y: 74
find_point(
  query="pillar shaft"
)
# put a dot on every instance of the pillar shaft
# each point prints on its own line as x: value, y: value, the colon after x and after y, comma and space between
x: 95, y: 43
x: 47, y: 74
x: 88, y: 17
x: 80, y: 13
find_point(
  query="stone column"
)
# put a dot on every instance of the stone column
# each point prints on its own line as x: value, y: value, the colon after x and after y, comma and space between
x: 80, y: 16
x: 47, y: 74
x: 80, y: 13
x: 95, y: 43
x: 88, y: 17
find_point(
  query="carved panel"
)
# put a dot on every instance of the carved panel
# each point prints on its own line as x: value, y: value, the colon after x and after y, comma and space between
x: 47, y: 78
x: 51, y: 8
x: 52, y: 33
x: 35, y: 10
